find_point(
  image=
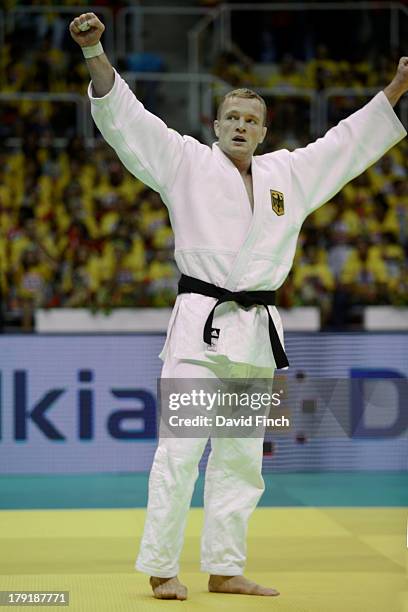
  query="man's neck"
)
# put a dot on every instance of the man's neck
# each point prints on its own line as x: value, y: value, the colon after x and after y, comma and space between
x: 243, y: 165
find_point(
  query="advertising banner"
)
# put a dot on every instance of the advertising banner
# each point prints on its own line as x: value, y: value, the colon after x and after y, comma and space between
x: 90, y: 403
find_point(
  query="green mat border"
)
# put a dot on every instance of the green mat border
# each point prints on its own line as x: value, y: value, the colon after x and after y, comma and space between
x: 129, y: 490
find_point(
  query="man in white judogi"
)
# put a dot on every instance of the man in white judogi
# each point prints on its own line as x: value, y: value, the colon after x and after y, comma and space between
x: 236, y: 219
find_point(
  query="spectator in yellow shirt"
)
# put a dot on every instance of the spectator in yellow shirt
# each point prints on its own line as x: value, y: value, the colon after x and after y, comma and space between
x: 32, y: 282
x: 314, y: 281
x: 365, y: 277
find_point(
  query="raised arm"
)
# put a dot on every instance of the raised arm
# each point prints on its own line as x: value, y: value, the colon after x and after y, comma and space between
x: 87, y: 30
x: 399, y: 84
x: 146, y: 146
x: 322, y: 168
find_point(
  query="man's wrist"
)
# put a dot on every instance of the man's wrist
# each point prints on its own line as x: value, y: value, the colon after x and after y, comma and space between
x: 394, y: 91
x: 93, y: 51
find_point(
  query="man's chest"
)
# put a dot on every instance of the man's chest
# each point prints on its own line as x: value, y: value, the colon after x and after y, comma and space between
x: 219, y: 205
x: 249, y: 189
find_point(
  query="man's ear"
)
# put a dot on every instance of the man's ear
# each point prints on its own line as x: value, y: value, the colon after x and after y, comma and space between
x: 217, y: 128
x: 264, y: 130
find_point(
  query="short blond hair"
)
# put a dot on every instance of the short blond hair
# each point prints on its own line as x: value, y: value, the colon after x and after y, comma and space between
x: 242, y: 93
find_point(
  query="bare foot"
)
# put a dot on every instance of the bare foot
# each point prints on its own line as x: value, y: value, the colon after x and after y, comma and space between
x: 237, y: 584
x: 168, y: 588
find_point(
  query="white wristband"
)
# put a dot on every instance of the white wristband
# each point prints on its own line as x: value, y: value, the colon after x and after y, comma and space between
x: 93, y: 51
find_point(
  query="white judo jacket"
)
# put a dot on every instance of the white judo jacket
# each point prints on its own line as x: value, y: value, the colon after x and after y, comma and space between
x: 217, y: 237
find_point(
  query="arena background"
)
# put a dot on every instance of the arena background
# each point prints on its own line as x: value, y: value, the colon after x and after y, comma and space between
x: 87, y: 280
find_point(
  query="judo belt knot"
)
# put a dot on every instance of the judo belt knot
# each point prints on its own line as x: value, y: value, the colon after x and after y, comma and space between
x: 240, y: 297
x: 246, y: 299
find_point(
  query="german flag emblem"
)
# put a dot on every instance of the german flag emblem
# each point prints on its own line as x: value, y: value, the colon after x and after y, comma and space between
x: 278, y: 203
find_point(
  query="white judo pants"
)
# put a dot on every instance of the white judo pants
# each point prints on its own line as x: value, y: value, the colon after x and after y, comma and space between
x: 233, y: 486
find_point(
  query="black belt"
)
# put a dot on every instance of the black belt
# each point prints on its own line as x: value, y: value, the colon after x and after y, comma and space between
x: 188, y: 284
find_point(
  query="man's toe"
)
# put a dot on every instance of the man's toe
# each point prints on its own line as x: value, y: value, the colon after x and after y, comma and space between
x: 270, y: 592
x: 182, y: 594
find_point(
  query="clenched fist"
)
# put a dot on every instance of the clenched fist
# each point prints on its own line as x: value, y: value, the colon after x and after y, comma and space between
x: 401, y: 76
x: 86, y: 29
